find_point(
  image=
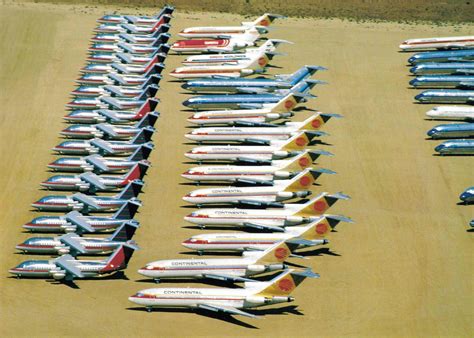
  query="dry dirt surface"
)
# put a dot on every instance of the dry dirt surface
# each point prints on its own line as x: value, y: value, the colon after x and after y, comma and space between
x: 404, y: 269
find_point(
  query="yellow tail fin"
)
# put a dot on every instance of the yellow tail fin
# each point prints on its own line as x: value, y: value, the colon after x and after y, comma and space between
x: 286, y: 282
x: 278, y: 253
x: 319, y: 204
x: 298, y: 142
x: 314, y: 122
x: 286, y: 104
x: 304, y: 180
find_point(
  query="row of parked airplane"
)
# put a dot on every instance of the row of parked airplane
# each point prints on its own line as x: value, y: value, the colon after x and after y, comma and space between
x: 112, y: 114
x: 448, y: 74
x: 246, y: 138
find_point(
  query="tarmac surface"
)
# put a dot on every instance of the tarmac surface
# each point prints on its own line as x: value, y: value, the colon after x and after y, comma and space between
x: 404, y: 269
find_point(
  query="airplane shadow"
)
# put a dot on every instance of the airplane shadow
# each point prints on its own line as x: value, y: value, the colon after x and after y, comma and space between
x: 205, y: 184
x: 453, y: 155
x: 207, y: 281
x: 302, y: 108
x: 318, y: 142
x: 318, y: 252
x: 214, y: 315
x: 470, y: 230
x: 465, y: 203
x: 211, y: 253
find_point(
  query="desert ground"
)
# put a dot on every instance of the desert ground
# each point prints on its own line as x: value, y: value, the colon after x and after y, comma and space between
x: 405, y: 268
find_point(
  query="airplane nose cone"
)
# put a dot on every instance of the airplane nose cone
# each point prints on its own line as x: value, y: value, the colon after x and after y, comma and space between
x: 419, y: 97
x: 185, y: 86
x: 186, y: 103
x: 413, y: 70
x: 431, y: 132
x: 464, y: 196
x: 439, y: 148
x: 411, y: 60
x: 413, y: 82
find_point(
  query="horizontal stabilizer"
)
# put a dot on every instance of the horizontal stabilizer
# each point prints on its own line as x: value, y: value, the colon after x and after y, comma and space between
x: 308, y: 273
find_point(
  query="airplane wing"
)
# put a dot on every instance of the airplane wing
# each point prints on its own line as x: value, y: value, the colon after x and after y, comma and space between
x: 466, y: 84
x: 86, y: 200
x: 465, y: 71
x: 254, y: 182
x: 72, y: 241
x: 255, y: 124
x: 109, y: 114
x: 92, y: 179
x: 250, y: 105
x: 71, y: 270
x: 109, y: 130
x: 264, y: 227
x: 129, y: 28
x: 74, y: 217
x: 97, y: 161
x: 111, y: 102
x: 120, y: 67
x: 252, y: 160
x: 228, y: 278
x: 222, y: 77
x: 99, y: 143
x: 255, y: 141
x: 225, y: 309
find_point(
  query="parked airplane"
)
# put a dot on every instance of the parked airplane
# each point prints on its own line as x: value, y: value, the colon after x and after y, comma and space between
x: 226, y: 300
x: 261, y: 196
x: 133, y: 68
x: 272, y: 150
x: 255, y: 65
x: 110, y: 131
x: 451, y: 113
x: 102, y: 147
x: 453, y: 130
x: 133, y: 48
x: 112, y: 116
x: 99, y: 164
x: 110, y: 102
x: 279, y: 110
x: 75, y: 245
x: 443, y: 81
x: 443, y: 56
x: 260, y: 131
x: 75, y: 222
x: 129, y: 58
x: 277, y: 170
x: 456, y: 147
x: 251, y: 86
x: 132, y: 28
x: 92, y: 183
x: 138, y: 20
x: 131, y: 38
x: 267, y: 219
x: 308, y: 235
x: 248, y: 101
x: 467, y: 195
x: 261, y: 24
x: 223, y: 44
x: 446, y: 96
x: 232, y: 59
x: 86, y: 203
x: 114, y: 78
x: 453, y: 68
x: 68, y: 268
x: 452, y: 42
x: 240, y: 269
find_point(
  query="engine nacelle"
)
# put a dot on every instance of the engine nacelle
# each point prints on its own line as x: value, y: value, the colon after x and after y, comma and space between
x: 274, y: 267
x: 281, y: 174
x: 83, y: 186
x: 256, y: 268
x: 69, y: 228
x: 280, y: 154
x: 57, y: 275
x: 87, y: 167
x: 285, y: 195
x: 76, y: 206
x: 62, y: 250
x: 294, y: 220
x: 302, y: 193
x: 255, y: 300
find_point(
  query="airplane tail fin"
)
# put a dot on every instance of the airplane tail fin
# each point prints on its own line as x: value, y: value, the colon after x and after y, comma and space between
x: 298, y: 141
x: 156, y: 68
x: 119, y: 259
x: 276, y: 253
x: 266, y: 19
x: 127, y: 211
x: 131, y: 190
x: 319, y: 204
x: 141, y: 153
x: 272, y: 44
x: 287, y: 103
x: 143, y: 136
x: 149, y: 91
x: 163, y: 28
x: 137, y: 172
x: 148, y: 120
x: 316, y: 121
x: 286, y: 282
x: 306, y: 178
x: 164, y: 48
x: 320, y: 228
x: 124, y: 232
x: 162, y: 38
x: 304, y: 160
x: 164, y: 19
x: 166, y: 10
x: 153, y: 79
x: 303, y: 73
x: 148, y: 106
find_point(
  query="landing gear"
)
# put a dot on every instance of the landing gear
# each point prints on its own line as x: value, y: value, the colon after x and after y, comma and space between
x: 201, y: 226
x: 200, y: 252
x: 157, y: 280
x: 149, y: 309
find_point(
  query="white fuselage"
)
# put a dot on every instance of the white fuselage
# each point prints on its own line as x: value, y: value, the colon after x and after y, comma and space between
x: 229, y: 117
x: 232, y: 173
x: 451, y: 113
x: 212, y: 31
x: 441, y: 43
x: 238, y: 70
x: 235, y: 153
x: 237, y: 134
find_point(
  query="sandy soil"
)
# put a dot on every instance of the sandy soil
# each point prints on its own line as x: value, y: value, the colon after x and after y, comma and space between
x: 405, y: 268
